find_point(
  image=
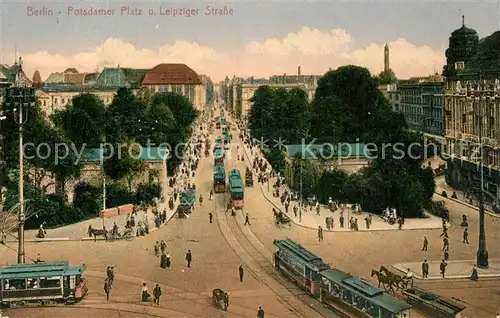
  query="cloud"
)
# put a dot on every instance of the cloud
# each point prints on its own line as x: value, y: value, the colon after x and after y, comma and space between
x: 317, y: 50
x: 113, y: 52
x: 314, y: 50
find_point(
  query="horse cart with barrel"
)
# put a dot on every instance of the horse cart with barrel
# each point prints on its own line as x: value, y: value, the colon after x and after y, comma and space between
x: 248, y: 177
x: 281, y: 219
x: 220, y: 299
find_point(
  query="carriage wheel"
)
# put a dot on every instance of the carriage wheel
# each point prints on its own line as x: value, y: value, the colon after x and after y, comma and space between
x: 214, y: 300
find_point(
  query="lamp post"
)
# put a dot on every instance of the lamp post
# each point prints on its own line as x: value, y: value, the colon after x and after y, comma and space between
x: 19, y: 99
x: 482, y: 253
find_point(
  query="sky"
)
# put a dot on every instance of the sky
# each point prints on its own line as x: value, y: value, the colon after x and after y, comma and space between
x: 254, y: 38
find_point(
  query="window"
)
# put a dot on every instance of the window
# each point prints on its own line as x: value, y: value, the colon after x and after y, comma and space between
x: 14, y: 284
x: 50, y: 282
x: 459, y: 65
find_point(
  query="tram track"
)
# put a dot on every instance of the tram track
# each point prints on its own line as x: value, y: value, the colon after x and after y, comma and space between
x: 259, y: 268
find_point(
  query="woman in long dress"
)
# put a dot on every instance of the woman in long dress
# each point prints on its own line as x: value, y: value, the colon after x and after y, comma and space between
x: 168, y: 260
x: 163, y: 260
x: 145, y: 294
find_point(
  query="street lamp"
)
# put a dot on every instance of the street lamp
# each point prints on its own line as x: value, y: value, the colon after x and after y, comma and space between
x: 482, y: 253
x: 19, y: 99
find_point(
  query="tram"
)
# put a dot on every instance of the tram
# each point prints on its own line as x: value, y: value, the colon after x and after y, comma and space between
x: 219, y: 179
x: 236, y: 189
x: 332, y: 287
x: 218, y: 143
x: 219, y: 157
x: 42, y: 283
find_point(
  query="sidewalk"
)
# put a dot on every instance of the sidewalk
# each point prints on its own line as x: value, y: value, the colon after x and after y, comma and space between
x: 311, y: 220
x: 442, y: 186
x: 78, y: 231
x: 454, y: 270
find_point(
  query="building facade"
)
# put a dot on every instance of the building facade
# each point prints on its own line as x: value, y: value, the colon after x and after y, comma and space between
x: 472, y: 108
x: 178, y: 78
x: 422, y: 104
x: 9, y: 75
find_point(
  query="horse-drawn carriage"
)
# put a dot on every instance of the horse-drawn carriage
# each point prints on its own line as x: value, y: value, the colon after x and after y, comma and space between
x: 281, y: 219
x: 248, y: 177
x: 128, y: 233
x: 389, y: 280
x: 220, y: 298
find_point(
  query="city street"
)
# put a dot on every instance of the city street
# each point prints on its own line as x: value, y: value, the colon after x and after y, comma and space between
x: 219, y: 248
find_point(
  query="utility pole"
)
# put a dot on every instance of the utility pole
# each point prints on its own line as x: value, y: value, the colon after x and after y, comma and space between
x: 482, y: 253
x: 20, y: 250
x: 301, y: 199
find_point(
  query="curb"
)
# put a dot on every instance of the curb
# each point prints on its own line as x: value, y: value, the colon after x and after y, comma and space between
x: 325, y: 230
x: 490, y: 213
x: 448, y: 277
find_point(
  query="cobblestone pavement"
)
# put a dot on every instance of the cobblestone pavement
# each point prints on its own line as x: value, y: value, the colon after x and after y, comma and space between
x: 360, y: 252
x: 186, y: 291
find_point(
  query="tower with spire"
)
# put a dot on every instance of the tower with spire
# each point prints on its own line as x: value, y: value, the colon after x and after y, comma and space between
x: 386, y: 58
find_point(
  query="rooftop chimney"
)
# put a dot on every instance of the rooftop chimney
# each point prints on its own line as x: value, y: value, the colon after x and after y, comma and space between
x: 298, y: 71
x: 284, y: 75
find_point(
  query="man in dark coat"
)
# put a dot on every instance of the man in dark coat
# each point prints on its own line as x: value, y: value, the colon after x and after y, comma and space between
x: 241, y: 273
x: 260, y: 313
x: 210, y: 216
x: 189, y: 258
x: 157, y: 294
x: 425, y: 269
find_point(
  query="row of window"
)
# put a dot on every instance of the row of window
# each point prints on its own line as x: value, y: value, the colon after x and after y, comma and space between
x: 31, y: 283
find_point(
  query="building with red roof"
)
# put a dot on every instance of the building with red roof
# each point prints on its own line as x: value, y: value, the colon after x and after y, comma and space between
x: 178, y: 78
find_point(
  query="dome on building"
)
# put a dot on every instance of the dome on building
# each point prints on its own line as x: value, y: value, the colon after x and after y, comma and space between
x: 462, y: 47
x: 71, y: 70
x: 37, y: 79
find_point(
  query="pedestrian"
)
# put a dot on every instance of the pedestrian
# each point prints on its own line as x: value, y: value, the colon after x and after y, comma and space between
x: 425, y: 269
x: 107, y: 288
x: 424, y: 248
x: 210, y: 216
x: 111, y: 276
x: 320, y: 234
x: 247, y: 220
x: 163, y: 246
x: 157, y: 249
x: 157, y: 294
x: 168, y: 260
x: 163, y: 260
x: 442, y: 267
x: 446, y: 243
x: 295, y: 210
x: 145, y: 293
x: 466, y: 236
x: 189, y: 258
x: 211, y: 195
x: 341, y: 219
x: 446, y: 253
x: 240, y: 270
x: 260, y: 313
x: 474, y: 275
x: 317, y: 209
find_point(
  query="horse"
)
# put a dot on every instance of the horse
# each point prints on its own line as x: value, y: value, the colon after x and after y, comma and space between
x: 399, y: 282
x: 383, y: 280
x: 98, y: 232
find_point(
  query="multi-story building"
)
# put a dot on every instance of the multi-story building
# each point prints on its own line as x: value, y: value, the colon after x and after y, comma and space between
x: 178, y: 78
x: 310, y: 82
x: 62, y: 87
x: 422, y: 105
x: 12, y: 74
x: 472, y: 105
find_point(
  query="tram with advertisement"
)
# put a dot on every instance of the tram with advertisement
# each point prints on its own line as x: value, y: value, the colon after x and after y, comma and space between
x: 42, y: 283
x: 219, y: 179
x: 336, y: 289
x: 219, y: 157
x: 236, y: 189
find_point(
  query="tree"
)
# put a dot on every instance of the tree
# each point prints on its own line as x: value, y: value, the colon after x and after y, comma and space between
x: 84, y: 121
x: 386, y: 77
x: 182, y: 109
x: 87, y: 199
x: 124, y: 163
x: 309, y: 173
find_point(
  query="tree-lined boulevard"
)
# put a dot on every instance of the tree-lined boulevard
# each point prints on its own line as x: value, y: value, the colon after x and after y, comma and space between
x: 347, y: 108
